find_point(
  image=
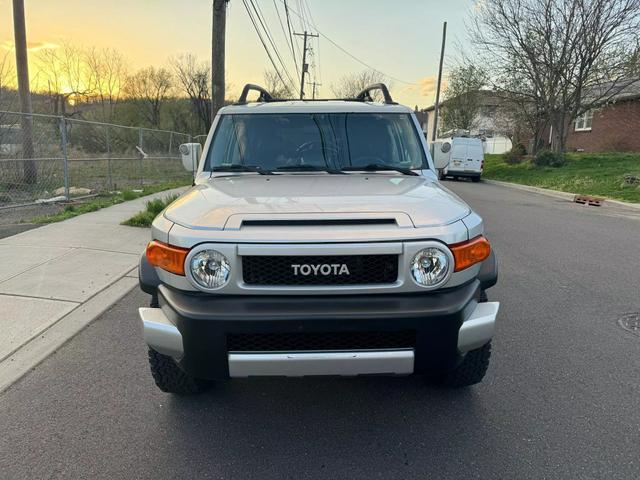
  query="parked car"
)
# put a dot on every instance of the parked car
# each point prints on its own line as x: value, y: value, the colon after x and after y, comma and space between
x: 459, y: 157
x: 317, y: 240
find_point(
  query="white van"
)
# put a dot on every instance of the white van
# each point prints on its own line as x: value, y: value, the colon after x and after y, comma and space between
x: 462, y: 157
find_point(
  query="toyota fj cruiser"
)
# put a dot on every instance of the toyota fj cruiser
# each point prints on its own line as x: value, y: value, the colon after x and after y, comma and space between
x: 317, y: 240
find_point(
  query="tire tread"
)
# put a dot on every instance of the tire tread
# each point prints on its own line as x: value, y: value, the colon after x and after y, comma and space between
x: 170, y: 378
x: 472, y: 369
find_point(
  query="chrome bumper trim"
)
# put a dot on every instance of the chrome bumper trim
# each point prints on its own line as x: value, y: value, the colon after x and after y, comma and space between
x: 478, y: 329
x: 160, y: 334
x: 349, y: 363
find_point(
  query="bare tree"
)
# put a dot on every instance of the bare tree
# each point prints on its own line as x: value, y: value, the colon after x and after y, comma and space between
x: 109, y: 72
x: 519, y: 119
x: 64, y: 74
x: 150, y: 88
x: 274, y: 85
x: 461, y: 104
x: 193, y: 79
x: 573, y: 55
x: 7, y: 80
x: 350, y: 85
x: 8, y: 96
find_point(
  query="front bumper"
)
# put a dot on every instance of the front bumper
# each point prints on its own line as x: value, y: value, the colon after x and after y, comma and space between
x: 194, y: 328
x: 463, y: 173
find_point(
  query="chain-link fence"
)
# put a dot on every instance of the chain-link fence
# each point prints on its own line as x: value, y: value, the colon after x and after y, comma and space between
x: 45, y: 158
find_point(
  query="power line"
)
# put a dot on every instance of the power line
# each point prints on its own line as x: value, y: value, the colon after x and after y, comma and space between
x: 302, y: 18
x: 284, y: 32
x: 266, y: 49
x: 260, y: 17
x: 316, y: 60
x: 346, y: 52
x: 293, y: 44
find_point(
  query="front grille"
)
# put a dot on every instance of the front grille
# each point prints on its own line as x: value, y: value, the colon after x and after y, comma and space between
x: 281, y: 270
x: 297, y: 341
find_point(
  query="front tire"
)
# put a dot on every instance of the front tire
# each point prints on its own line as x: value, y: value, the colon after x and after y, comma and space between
x: 471, y: 371
x: 171, y: 379
x: 475, y: 179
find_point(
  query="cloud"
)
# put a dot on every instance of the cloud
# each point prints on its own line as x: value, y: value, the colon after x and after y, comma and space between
x: 480, y: 5
x: 31, y: 46
x: 426, y: 87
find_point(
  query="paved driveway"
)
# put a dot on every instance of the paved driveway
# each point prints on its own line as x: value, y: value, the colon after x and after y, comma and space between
x: 560, y: 399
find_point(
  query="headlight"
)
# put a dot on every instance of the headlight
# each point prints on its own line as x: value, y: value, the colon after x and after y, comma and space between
x: 210, y: 269
x: 430, y: 266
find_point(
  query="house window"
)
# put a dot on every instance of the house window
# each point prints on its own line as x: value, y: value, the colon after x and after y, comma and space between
x: 584, y: 121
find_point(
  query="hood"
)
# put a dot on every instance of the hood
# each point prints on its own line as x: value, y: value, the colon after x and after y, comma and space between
x: 221, y: 201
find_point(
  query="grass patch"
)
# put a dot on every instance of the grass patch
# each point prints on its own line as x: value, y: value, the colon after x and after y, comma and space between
x: 154, y: 207
x: 600, y: 174
x: 103, y: 201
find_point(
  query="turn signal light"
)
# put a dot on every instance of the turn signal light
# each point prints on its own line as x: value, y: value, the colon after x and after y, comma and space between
x: 167, y: 257
x: 469, y: 253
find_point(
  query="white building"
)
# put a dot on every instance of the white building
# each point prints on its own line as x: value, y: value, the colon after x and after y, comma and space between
x: 485, y: 124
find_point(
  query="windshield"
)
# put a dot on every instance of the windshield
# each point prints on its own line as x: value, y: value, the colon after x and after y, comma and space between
x: 306, y: 141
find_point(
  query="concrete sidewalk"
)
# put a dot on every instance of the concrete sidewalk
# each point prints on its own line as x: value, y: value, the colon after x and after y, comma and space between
x: 57, y: 278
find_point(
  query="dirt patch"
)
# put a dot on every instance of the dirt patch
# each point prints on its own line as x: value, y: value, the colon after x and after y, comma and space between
x: 19, y: 219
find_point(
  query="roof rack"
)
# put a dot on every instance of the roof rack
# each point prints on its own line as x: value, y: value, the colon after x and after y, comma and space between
x: 365, y: 95
x: 264, y: 95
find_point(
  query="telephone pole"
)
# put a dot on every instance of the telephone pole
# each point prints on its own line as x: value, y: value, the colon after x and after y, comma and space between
x: 305, y: 66
x: 437, y: 107
x: 218, y: 26
x: 22, y: 69
x: 313, y: 88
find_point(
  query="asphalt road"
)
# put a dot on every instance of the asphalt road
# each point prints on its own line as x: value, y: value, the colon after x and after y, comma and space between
x: 560, y: 400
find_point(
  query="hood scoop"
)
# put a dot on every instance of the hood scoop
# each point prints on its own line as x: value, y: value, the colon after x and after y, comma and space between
x: 319, y: 222
x: 369, y: 220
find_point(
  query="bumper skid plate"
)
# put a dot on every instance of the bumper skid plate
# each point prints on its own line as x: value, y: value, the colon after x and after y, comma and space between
x: 298, y: 364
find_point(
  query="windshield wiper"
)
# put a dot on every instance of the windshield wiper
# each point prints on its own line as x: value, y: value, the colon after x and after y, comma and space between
x: 243, y: 168
x: 374, y: 167
x: 309, y: 168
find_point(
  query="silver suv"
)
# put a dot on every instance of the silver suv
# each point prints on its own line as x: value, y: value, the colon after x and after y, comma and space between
x: 317, y: 240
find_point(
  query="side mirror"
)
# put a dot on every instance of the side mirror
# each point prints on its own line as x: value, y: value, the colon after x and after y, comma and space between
x: 445, y: 147
x: 190, y: 156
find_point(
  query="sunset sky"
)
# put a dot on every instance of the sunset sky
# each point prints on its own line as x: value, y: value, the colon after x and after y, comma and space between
x: 400, y: 38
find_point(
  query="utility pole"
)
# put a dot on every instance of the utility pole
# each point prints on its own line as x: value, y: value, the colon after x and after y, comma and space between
x: 218, y: 30
x: 437, y: 107
x: 313, y: 89
x: 22, y: 69
x: 305, y: 66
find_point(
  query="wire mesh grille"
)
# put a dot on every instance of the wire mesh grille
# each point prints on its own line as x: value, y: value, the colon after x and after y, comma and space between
x: 323, y: 341
x: 320, y: 270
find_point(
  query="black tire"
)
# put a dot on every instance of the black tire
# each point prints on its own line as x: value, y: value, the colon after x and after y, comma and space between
x: 171, y: 379
x: 471, y: 371
x: 475, y: 179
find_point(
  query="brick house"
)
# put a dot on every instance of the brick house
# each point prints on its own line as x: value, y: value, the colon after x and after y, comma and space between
x: 613, y: 127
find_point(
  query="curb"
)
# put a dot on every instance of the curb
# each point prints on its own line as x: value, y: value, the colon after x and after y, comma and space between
x: 557, y: 194
x: 41, y: 344
x: 36, y: 350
